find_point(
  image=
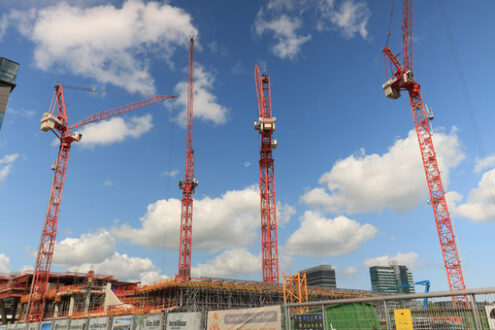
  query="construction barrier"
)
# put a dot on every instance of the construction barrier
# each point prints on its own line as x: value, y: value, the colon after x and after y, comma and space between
x: 246, y: 319
x: 100, y: 323
x: 148, y: 322
x: 62, y: 324
x: 78, y: 324
x: 183, y: 321
x: 123, y: 322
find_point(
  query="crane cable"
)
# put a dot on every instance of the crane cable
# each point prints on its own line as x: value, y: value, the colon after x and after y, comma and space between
x: 390, y: 24
x: 389, y: 33
x: 467, y: 97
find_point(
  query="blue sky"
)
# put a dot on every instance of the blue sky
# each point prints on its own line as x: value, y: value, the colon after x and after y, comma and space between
x: 351, y: 190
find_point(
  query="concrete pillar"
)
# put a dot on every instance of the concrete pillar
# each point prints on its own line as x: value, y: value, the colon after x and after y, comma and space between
x: 56, y: 309
x: 71, y: 305
x: 2, y: 312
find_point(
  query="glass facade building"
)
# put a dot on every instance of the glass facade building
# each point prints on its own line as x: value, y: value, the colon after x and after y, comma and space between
x: 386, y: 277
x: 322, y: 276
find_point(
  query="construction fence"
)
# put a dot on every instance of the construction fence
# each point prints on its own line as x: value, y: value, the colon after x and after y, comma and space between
x: 469, y: 309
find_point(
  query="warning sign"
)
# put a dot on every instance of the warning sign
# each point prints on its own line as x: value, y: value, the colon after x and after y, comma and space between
x: 403, y: 319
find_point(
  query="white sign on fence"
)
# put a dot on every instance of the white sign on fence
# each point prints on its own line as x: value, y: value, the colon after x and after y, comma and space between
x: 62, y: 324
x: 248, y: 319
x: 79, y: 324
x: 123, y: 322
x: 99, y: 323
x: 184, y: 321
x: 490, y: 314
x: 149, y: 322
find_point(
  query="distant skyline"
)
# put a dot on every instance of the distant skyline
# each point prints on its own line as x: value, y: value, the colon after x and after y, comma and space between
x: 351, y: 189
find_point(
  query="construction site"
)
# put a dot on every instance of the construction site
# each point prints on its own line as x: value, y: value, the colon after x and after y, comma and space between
x: 41, y: 295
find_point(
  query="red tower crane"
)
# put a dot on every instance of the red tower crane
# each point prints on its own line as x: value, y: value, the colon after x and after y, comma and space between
x: 55, y: 120
x: 403, y: 79
x: 190, y: 183
x: 266, y: 125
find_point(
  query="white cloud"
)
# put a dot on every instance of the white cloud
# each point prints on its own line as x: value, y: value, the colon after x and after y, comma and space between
x: 205, y: 103
x: 229, y: 221
x: 114, y: 130
x: 283, y: 18
x: 97, y: 251
x: 123, y: 267
x: 152, y: 276
x: 108, y: 183
x: 91, y: 248
x: 284, y: 30
x: 480, y: 204
x: 351, y: 18
x: 3, y: 25
x: 225, y: 222
x: 395, y: 179
x: 484, y: 164
x: 106, y: 43
x: 349, y: 272
x: 4, y: 263
x: 21, y: 113
x: 406, y: 259
x: 6, y: 164
x: 231, y: 263
x: 319, y: 236
x: 171, y: 173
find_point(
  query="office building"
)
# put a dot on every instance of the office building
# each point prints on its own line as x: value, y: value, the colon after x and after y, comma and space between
x: 322, y: 276
x: 393, y: 276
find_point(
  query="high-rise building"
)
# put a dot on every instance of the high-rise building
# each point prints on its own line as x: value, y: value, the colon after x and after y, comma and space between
x: 8, y: 73
x: 386, y: 277
x: 322, y: 276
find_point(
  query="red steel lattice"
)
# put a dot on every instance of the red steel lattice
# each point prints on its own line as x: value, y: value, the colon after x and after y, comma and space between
x: 403, y: 79
x: 190, y: 183
x: 56, y: 121
x: 266, y: 125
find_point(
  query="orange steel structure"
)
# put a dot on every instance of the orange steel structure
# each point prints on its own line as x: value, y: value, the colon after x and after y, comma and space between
x: 403, y: 79
x: 295, y: 291
x: 190, y: 183
x: 266, y: 125
x: 56, y: 120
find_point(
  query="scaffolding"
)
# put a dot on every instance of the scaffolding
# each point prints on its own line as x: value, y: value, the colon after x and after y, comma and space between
x: 295, y: 291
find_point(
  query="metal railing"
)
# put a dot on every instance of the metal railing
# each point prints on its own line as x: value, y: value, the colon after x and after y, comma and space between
x: 385, y: 311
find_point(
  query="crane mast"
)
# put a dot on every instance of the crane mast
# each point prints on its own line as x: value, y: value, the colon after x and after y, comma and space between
x: 403, y: 79
x: 58, y: 124
x: 190, y: 183
x: 266, y: 125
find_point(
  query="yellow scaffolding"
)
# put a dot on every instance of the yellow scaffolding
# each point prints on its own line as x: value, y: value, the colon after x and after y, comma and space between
x: 295, y: 291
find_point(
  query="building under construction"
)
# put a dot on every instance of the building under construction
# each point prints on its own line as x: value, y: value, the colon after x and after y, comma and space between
x: 79, y: 295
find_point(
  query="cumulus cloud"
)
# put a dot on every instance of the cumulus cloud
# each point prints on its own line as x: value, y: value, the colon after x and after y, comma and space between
x: 407, y: 259
x: 113, y: 130
x: 171, y: 173
x: 6, y: 164
x: 107, y: 43
x: 124, y: 267
x: 4, y: 263
x: 231, y: 263
x: 350, y: 18
x: 97, y: 251
x: 284, y: 29
x: 480, y: 204
x: 484, y: 164
x: 349, y: 272
x: 318, y: 236
x: 395, y: 179
x: 206, y: 106
x: 229, y: 221
x: 285, y: 18
x: 91, y: 248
